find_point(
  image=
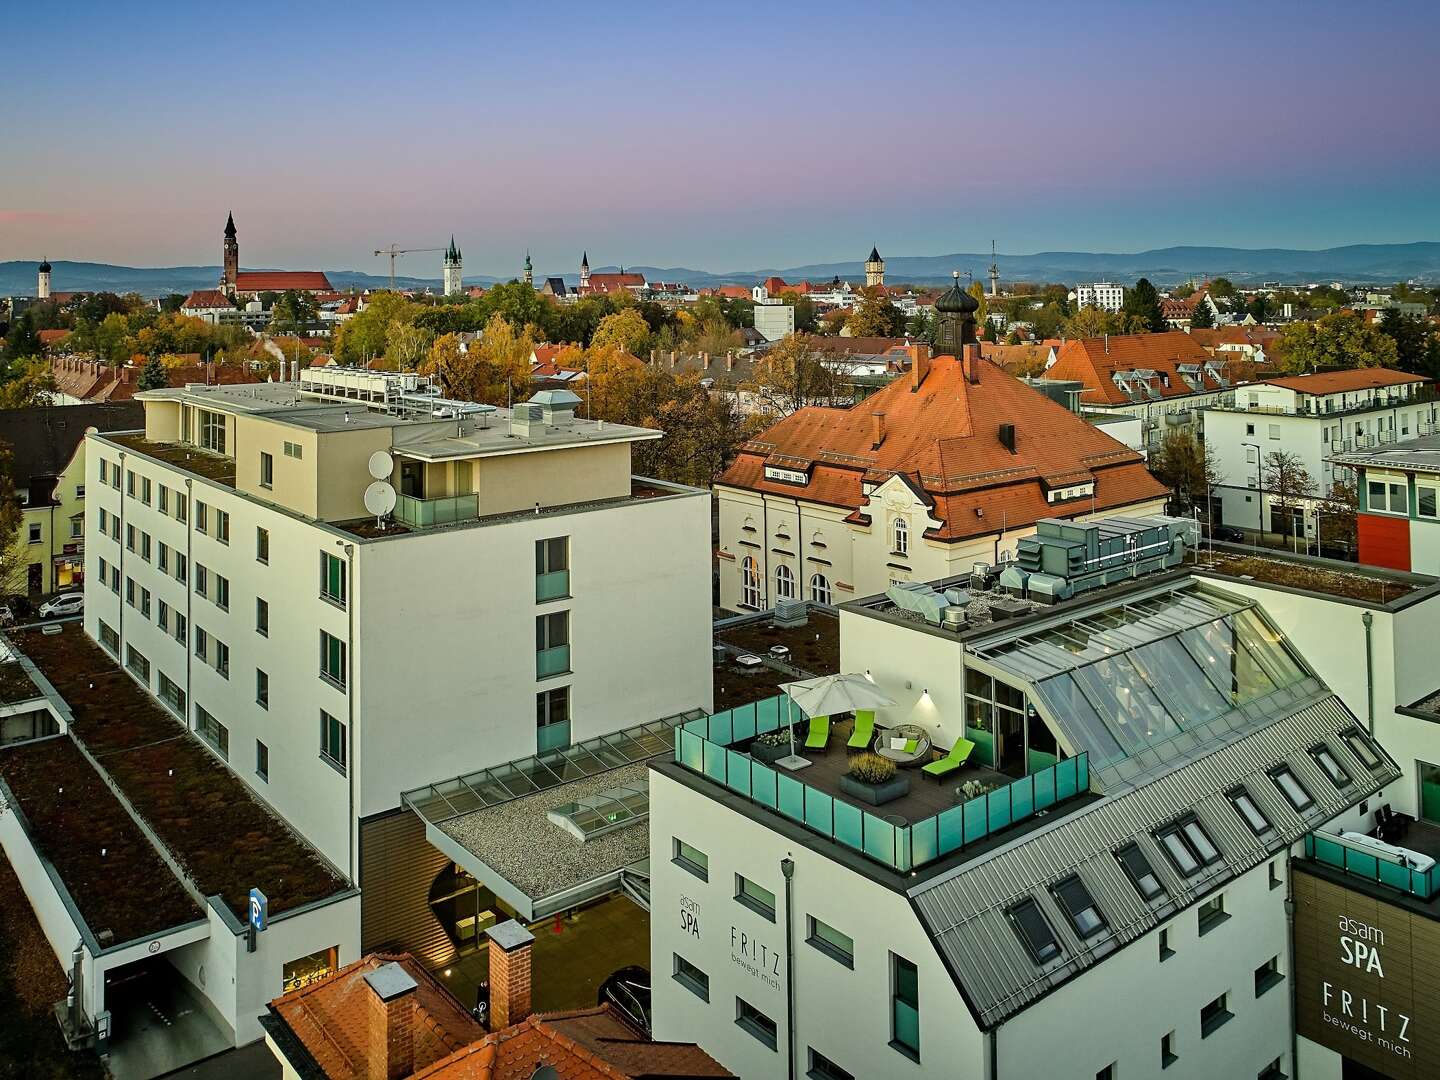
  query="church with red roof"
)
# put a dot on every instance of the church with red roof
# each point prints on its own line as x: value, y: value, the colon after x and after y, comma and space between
x: 251, y: 283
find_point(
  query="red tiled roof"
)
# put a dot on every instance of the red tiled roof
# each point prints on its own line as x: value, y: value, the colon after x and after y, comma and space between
x: 1094, y: 362
x: 610, y: 282
x: 945, y: 440
x: 733, y: 292
x: 280, y: 280
x: 52, y: 337
x: 1234, y: 335
x: 206, y: 298
x: 1337, y: 382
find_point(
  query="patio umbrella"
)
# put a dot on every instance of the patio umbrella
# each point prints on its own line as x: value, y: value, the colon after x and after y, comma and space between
x: 827, y: 695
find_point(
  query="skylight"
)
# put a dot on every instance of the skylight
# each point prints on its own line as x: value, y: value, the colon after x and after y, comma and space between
x: 1077, y: 903
x: 1137, y: 868
x: 1246, y: 808
x: 1291, y: 788
x: 593, y: 815
x: 1361, y: 748
x: 1326, y: 760
x: 1188, y: 845
x: 1034, y: 932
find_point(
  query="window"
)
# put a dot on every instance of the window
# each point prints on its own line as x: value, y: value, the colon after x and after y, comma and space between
x: 1166, y: 952
x: 222, y: 526
x: 332, y: 741
x: 1107, y: 1073
x: 292, y: 450
x: 115, y: 527
x: 222, y: 658
x: 1078, y: 905
x: 1326, y: 760
x: 750, y: 583
x: 202, y: 517
x: 262, y: 545
x: 552, y: 719
x: 212, y: 731
x: 332, y: 659
x: 77, y: 527
x: 222, y: 592
x: 691, y: 977
x: 757, y: 899
x: 1386, y: 497
x: 690, y: 858
x: 182, y: 507
x: 163, y: 502
x: 822, y: 1068
x: 1425, y: 501
x: 104, y: 470
x: 79, y: 491
x: 145, y: 546
x: 1292, y: 789
x: 1034, y: 931
x: 202, y: 580
x: 267, y: 470
x: 552, y: 569
x: 182, y: 568
x: 904, y: 1007
x: 202, y: 643
x: 819, y: 589
x: 34, y: 532
x: 552, y: 644
x: 115, y: 580
x: 1188, y: 845
x: 1267, y: 976
x: 262, y: 689
x: 1246, y: 808
x: 1211, y: 914
x: 1168, y: 1056
x: 1250, y: 428
x: 262, y: 617
x: 130, y: 537
x: 1275, y: 880
x: 145, y: 490
x: 138, y: 664
x: 784, y: 583
x: 108, y: 637
x: 172, y: 695
x: 145, y: 602
x: 102, y: 520
x: 262, y: 760
x: 830, y: 941
x: 1214, y: 1015
x: 332, y: 578
x: 179, y: 627
x: 115, y: 476
x: 900, y: 537
x: 755, y: 1022
x: 162, y: 557
x: 130, y: 482
x: 130, y: 588
x: 1360, y: 746
x: 212, y: 430
x: 1274, y: 431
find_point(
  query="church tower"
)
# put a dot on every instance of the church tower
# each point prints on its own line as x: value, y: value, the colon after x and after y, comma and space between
x: 42, y: 286
x: 232, y: 258
x: 955, y: 320
x: 874, y: 269
x: 529, y: 270
x: 452, y: 269
x: 584, y: 270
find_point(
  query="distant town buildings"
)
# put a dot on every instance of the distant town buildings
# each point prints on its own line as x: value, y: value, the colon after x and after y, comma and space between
x: 452, y: 270
x: 874, y: 269
x: 251, y: 283
x: 42, y: 284
x: 1105, y: 295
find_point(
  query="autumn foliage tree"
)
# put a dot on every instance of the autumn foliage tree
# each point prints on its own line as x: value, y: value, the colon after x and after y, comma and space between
x: 792, y: 374
x: 1340, y: 340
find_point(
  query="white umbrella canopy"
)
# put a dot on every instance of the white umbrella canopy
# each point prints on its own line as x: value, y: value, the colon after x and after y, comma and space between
x: 830, y: 694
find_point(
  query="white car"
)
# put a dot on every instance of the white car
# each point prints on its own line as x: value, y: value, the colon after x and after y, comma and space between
x: 59, y: 607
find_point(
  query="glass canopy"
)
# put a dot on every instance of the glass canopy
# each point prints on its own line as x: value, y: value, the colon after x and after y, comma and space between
x: 1127, y: 677
x: 591, y: 815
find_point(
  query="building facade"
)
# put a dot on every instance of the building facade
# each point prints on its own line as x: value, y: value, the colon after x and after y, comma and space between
x: 1397, y: 488
x: 874, y: 269
x: 1105, y: 295
x: 452, y: 270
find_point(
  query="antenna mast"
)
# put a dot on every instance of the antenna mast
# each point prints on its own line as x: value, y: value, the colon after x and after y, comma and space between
x: 994, y: 272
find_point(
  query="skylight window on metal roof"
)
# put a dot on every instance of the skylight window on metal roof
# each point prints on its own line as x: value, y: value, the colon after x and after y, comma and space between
x: 1332, y: 768
x: 594, y: 815
x: 1188, y: 845
x: 1246, y: 808
x: 1291, y: 788
x: 1078, y: 905
x: 1137, y: 868
x: 1361, y: 748
x: 1034, y: 932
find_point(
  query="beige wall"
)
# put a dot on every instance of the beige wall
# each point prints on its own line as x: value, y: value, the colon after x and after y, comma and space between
x: 295, y: 487
x: 162, y: 421
x: 342, y: 464
x: 554, y: 478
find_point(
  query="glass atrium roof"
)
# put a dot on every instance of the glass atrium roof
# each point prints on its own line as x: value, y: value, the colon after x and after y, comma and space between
x: 591, y: 815
x: 1123, y: 678
x: 501, y: 783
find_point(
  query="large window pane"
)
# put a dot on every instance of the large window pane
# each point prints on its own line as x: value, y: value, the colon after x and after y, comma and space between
x: 1179, y: 682
x: 1066, y: 702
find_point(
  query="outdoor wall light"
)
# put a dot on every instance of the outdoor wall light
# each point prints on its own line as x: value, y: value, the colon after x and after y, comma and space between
x: 907, y: 684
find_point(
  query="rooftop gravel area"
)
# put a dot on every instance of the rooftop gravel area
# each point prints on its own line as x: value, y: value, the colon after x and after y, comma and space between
x: 1345, y: 580
x: 15, y: 685
x: 183, y: 456
x: 520, y: 843
x: 224, y: 837
x: 113, y: 874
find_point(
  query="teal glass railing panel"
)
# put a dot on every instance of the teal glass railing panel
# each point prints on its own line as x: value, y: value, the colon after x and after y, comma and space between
x: 692, y: 750
x: 1362, y: 864
x: 1044, y: 789
x: 552, y: 586
x: 763, y: 788
x: 879, y: 839
x: 768, y: 716
x: 974, y: 812
x: 715, y: 762
x: 849, y: 825
x: 1396, y: 876
x: 737, y: 772
x: 722, y: 728
x: 952, y: 829
x: 925, y: 841
x: 1082, y: 772
x: 907, y: 1026
x: 1065, y: 779
x: 552, y: 661
x: 997, y: 810
x: 552, y: 737
x: 742, y: 726
x: 424, y: 513
x: 1022, y: 800
x: 792, y: 797
x: 819, y: 811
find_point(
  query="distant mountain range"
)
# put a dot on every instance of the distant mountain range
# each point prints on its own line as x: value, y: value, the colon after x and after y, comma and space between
x: 1356, y: 263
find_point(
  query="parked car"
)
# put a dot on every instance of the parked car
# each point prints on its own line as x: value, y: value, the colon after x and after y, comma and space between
x: 1227, y: 534
x: 66, y: 604
x: 628, y: 990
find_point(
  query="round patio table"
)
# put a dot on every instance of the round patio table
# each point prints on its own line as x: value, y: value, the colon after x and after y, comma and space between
x: 899, y: 756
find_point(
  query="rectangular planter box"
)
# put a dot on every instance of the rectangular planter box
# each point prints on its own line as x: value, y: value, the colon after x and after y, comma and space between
x: 770, y: 754
x: 876, y: 794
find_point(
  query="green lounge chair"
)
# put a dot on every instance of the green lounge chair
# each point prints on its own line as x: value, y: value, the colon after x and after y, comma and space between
x: 958, y: 755
x: 864, y: 733
x: 819, y: 733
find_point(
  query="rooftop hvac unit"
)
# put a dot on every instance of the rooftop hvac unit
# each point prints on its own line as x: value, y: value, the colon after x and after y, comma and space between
x: 953, y: 618
x: 918, y: 598
x: 524, y: 418
x: 1013, y: 580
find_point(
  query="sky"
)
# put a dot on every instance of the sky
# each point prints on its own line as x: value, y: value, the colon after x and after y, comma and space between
x: 713, y: 137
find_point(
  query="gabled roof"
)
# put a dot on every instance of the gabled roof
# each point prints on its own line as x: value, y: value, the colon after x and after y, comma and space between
x: 1337, y: 382
x: 1096, y: 362
x: 43, y: 439
x: 205, y: 299
x: 280, y: 280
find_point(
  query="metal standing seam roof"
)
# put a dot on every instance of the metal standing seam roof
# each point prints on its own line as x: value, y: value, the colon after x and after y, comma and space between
x: 965, y: 913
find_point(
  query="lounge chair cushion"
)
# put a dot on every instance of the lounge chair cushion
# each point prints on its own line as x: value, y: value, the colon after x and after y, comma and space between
x: 958, y: 755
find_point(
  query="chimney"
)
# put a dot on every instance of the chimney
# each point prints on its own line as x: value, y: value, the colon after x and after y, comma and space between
x: 509, y: 974
x: 729, y: 361
x: 919, y: 365
x: 652, y: 357
x: 1007, y: 437
x: 972, y: 361
x: 122, y: 372
x: 391, y: 1024
x: 877, y: 430
x: 673, y: 357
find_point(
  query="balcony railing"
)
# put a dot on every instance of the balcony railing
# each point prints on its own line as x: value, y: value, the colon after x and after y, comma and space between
x: 552, y: 586
x: 425, y: 513
x: 552, y: 737
x: 1333, y: 851
x: 703, y: 746
x: 552, y: 661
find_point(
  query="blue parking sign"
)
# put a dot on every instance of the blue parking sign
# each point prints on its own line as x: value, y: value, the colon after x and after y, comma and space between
x: 259, y: 909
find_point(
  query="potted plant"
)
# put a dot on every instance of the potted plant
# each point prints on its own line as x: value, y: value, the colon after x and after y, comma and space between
x: 874, y: 779
x: 771, y: 746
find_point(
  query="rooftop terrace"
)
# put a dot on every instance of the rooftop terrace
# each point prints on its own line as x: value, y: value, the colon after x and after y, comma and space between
x: 223, y: 837
x: 182, y: 456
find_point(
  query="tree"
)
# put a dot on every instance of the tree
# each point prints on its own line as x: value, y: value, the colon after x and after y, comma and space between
x: 1289, y: 485
x: 494, y: 370
x: 1417, y: 348
x: 1202, y: 318
x: 791, y: 375
x: 153, y: 375
x: 13, y: 559
x: 1142, y: 303
x: 27, y: 384
x: 23, y: 340
x: 875, y: 316
x: 1092, y: 322
x: 1182, y: 465
x: 364, y: 336
x: 291, y: 311
x: 1336, y: 514
x: 1258, y: 308
x: 1339, y: 340
x: 982, y: 313
x: 406, y: 345
x: 1222, y: 287
x: 627, y: 330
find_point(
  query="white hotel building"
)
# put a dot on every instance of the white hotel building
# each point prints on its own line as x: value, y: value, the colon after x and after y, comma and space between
x: 528, y: 593
x: 1159, y: 752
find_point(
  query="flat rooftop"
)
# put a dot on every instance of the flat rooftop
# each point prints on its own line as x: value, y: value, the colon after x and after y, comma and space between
x: 223, y: 836
x: 182, y: 456
x: 1328, y: 577
x: 1414, y: 455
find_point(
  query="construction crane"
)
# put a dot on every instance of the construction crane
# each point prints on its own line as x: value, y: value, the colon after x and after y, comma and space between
x: 395, y: 251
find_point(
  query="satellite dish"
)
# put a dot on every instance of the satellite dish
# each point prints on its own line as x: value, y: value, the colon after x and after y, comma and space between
x: 379, y: 498
x: 381, y: 465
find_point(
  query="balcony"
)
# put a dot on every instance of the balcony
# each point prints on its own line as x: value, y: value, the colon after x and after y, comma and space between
x: 427, y: 513
x: 552, y: 661
x: 1371, y: 866
x: 920, y: 828
x: 552, y: 586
